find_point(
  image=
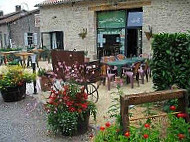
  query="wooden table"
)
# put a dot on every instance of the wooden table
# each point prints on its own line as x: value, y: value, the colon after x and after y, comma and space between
x: 24, y: 55
x: 5, y: 55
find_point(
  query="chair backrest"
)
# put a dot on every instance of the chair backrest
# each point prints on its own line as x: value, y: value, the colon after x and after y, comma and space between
x: 112, y: 58
x: 136, y: 67
x: 120, y: 57
x: 105, y: 59
x: 146, y: 66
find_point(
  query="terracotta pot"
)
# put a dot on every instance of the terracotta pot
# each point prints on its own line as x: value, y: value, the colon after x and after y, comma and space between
x: 45, y: 83
x: 13, y: 94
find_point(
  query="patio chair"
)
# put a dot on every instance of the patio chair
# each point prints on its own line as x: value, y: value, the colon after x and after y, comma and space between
x: 143, y: 71
x: 133, y: 72
x: 121, y: 57
x: 107, y: 71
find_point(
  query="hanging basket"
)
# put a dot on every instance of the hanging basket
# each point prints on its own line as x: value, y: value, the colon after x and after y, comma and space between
x: 13, y: 94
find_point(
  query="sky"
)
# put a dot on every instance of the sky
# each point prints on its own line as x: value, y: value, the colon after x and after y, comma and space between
x: 8, y: 6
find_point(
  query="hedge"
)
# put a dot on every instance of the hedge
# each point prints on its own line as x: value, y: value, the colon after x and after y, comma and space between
x: 171, y: 60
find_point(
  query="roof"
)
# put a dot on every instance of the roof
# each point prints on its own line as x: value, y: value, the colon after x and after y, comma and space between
x: 54, y: 2
x: 11, y: 17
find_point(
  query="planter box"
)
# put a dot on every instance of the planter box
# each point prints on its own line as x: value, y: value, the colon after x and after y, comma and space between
x: 13, y: 94
x: 45, y: 83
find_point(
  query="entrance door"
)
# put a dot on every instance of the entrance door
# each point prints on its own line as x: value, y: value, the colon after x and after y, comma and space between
x: 134, y: 42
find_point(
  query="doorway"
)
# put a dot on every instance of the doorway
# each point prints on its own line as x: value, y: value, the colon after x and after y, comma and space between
x: 111, y: 45
x: 56, y: 40
x: 134, y: 44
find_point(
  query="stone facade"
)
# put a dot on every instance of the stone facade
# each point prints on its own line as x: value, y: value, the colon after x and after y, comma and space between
x: 16, y: 29
x: 21, y: 26
x: 165, y: 16
x: 161, y: 15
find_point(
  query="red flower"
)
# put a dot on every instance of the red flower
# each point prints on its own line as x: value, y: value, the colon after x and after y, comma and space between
x: 182, y: 115
x: 72, y: 109
x: 172, y: 108
x: 147, y: 125
x: 108, y: 124
x: 145, y: 136
x: 102, y: 128
x: 79, y: 110
x: 181, y: 136
x: 20, y: 84
x: 84, y: 106
x: 127, y: 134
x: 85, y: 96
x: 69, y: 103
x: 51, y: 100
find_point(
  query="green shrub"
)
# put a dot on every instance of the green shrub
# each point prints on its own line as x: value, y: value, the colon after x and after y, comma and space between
x: 171, y: 60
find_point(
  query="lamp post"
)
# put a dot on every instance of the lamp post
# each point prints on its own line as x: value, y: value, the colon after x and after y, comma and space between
x: 33, y: 57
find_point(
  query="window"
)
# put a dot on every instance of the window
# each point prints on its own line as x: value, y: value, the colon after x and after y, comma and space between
x: 30, y: 39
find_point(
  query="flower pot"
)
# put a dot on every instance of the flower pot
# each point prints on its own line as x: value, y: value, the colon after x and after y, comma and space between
x: 82, y: 126
x: 45, y: 83
x: 13, y: 94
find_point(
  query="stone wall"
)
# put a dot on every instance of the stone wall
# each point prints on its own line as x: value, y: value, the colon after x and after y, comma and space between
x: 21, y: 26
x: 3, y: 31
x: 162, y: 15
x: 71, y: 20
x: 165, y: 16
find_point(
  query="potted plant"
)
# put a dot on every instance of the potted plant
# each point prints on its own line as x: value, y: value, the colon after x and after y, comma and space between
x: 13, y: 83
x: 68, y: 108
x: 45, y: 80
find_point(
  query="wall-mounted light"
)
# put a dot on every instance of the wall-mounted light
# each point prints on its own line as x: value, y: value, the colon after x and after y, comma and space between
x: 149, y: 33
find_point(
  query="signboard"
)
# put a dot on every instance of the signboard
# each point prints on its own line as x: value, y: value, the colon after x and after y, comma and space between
x: 135, y: 19
x: 37, y: 20
x: 111, y: 19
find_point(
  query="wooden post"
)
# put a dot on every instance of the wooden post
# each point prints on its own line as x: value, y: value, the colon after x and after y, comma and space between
x: 141, y: 98
x: 124, y: 108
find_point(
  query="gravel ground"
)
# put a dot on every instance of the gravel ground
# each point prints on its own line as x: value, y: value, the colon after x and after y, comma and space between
x: 25, y: 121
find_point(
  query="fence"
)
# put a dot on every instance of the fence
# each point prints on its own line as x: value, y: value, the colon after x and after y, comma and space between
x: 141, y: 98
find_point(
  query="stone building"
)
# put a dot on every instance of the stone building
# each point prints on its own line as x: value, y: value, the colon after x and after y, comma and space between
x: 18, y: 30
x: 105, y: 27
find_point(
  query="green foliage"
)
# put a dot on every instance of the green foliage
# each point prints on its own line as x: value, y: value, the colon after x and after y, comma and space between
x: 41, y: 72
x: 10, y: 49
x: 177, y: 127
x: 14, y: 76
x: 170, y: 63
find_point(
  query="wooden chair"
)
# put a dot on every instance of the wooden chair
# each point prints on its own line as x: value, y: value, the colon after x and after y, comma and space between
x: 121, y: 57
x: 132, y: 73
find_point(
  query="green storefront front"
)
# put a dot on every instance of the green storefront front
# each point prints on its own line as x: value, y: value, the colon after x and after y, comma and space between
x: 119, y: 32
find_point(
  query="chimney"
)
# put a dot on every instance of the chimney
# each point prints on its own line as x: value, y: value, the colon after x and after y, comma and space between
x: 1, y: 12
x: 18, y: 8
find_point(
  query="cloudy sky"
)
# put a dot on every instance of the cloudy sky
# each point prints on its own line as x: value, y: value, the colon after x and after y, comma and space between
x: 9, y: 5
